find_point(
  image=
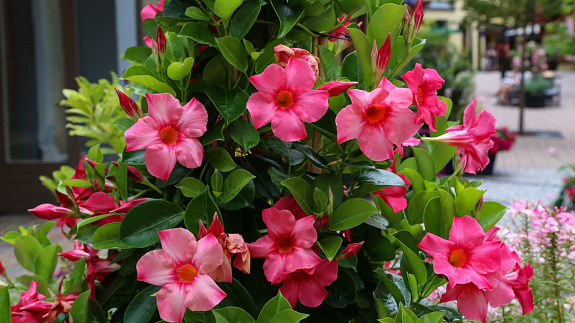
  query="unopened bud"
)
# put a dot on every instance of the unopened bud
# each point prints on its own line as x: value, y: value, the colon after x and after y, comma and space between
x: 383, y: 56
x: 418, y: 15
x: 130, y: 106
x: 161, y: 42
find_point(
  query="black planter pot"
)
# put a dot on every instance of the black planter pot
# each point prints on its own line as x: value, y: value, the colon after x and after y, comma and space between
x: 534, y: 101
x: 488, y: 170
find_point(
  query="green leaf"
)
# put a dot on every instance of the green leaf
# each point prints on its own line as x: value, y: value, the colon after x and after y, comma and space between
x: 199, y: 32
x: 288, y: 16
x: 77, y: 183
x: 414, y: 178
x: 214, y: 133
x: 43, y: 285
x: 220, y: 159
x: 232, y: 315
x: 233, y: 51
x: 79, y: 310
x: 137, y: 55
x: 387, y: 19
x: 141, y: 224
x: 143, y: 76
x: 245, y: 18
x: 217, y: 181
x: 302, y: 191
x: 329, y: 64
x: 230, y: 103
x: 268, y: 56
x: 350, y: 214
x: 288, y: 316
x: 320, y: 201
x: 490, y: 214
x: 441, y: 154
x: 177, y: 71
x: 191, y: 187
x: 95, y: 154
x: 240, y: 295
x: 234, y: 184
x: 175, y: 47
x: 396, y: 64
x: 417, y: 204
x: 244, y: 133
x: 47, y: 261
x: 351, y: 70
x: 391, y: 287
x: 363, y: 50
x: 143, y: 306
x: 424, y: 164
x: 273, y: 307
x: 5, y: 310
x: 379, y: 177
x: 27, y: 249
x: 108, y: 237
x: 197, y: 14
x: 226, y: 8
x: 78, y: 273
x: 439, y: 213
x: 435, y: 317
x: 121, y: 176
x: 217, y: 71
x: 413, y: 263
x: 319, y: 18
x: 466, y: 201
x: 330, y: 246
x: 200, y: 208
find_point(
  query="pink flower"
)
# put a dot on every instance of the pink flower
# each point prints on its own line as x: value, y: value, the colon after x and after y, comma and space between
x: 284, y: 53
x: 472, y: 139
x: 232, y: 244
x: 335, y: 88
x: 149, y: 12
x: 380, y: 119
x: 465, y: 257
x: 287, y: 246
x: 308, y: 286
x: 424, y: 84
x: 28, y: 297
x: 130, y: 106
x: 169, y: 133
x: 286, y: 99
x: 289, y: 203
x: 182, y: 267
x: 394, y: 196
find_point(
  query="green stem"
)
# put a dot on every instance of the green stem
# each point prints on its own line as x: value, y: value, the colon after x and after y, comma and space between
x: 304, y: 28
x: 331, y: 136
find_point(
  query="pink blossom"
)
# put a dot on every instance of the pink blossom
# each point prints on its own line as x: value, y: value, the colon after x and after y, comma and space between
x: 28, y: 297
x: 182, y: 268
x: 472, y: 139
x: 286, y: 99
x: 335, y: 88
x: 465, y: 257
x: 380, y: 119
x: 284, y: 53
x: 308, y: 286
x: 394, y: 196
x: 169, y: 134
x: 289, y: 203
x: 424, y: 84
x: 149, y: 12
x: 287, y: 246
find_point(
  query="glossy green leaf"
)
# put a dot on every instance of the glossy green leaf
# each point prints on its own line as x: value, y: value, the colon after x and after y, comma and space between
x: 245, y: 18
x: 424, y: 162
x: 108, y: 237
x: 233, y: 51
x: 273, y: 307
x: 434, y: 317
x: 143, y: 76
x: 439, y: 213
x: 200, y: 208
x: 387, y: 19
x: 302, y: 192
x: 177, y: 71
x: 141, y: 224
x: 197, y: 14
x: 137, y: 55
x: 232, y: 315
x: 351, y: 69
x: 5, y: 310
x: 268, y: 56
x: 95, y: 154
x: 199, y: 32
x: 234, y: 184
x: 79, y: 310
x: 490, y: 214
x: 363, y: 50
x: 175, y: 47
x: 391, y: 287
x: 414, y: 264
x: 328, y: 63
x: 315, y: 157
x: 230, y: 103
x: 319, y: 18
x: 47, y: 261
x: 217, y: 181
x: 217, y: 72
x: 350, y: 214
x: 244, y: 134
x: 191, y: 187
x: 330, y: 246
x: 143, y: 306
x: 226, y: 8
x: 417, y: 204
x: 240, y: 296
x: 27, y: 249
x: 466, y: 201
x: 320, y: 201
x: 379, y: 177
x: 288, y: 16
x: 288, y: 316
x: 220, y: 159
x: 396, y: 65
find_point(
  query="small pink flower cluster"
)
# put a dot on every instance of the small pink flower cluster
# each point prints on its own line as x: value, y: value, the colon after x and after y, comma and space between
x: 84, y: 202
x: 482, y: 270
x: 503, y: 140
x: 32, y: 306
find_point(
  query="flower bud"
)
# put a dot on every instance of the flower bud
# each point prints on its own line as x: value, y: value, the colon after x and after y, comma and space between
x: 161, y: 42
x: 418, y: 15
x: 351, y: 250
x: 383, y: 56
x: 130, y: 106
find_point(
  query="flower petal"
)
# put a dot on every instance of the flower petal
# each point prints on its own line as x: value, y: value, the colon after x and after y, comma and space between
x: 299, y: 76
x: 472, y: 303
x: 349, y: 122
x: 466, y: 231
x: 142, y: 135
x: 179, y: 243
x: 261, y: 247
x: 301, y: 258
x: 274, y: 268
x: 157, y: 268
x: 290, y: 289
x: 374, y: 144
x: 189, y: 152
x: 310, y: 106
x: 164, y: 108
x: 194, y: 120
x: 203, y: 294
x: 287, y: 126
x: 304, y: 232
x: 160, y: 160
x: 399, y: 125
x: 262, y: 108
x: 502, y: 294
x: 272, y: 79
x: 209, y: 254
x: 434, y: 245
x: 278, y: 222
x: 171, y: 302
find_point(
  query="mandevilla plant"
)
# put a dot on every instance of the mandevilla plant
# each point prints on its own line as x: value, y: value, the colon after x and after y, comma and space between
x: 263, y: 182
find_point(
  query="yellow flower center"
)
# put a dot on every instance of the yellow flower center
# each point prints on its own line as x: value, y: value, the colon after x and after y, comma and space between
x: 186, y: 273
x: 284, y: 99
x: 169, y: 135
x: 375, y: 113
x: 457, y: 258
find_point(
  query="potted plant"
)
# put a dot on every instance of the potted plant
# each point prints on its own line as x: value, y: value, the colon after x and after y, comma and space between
x: 535, y: 91
x: 503, y: 140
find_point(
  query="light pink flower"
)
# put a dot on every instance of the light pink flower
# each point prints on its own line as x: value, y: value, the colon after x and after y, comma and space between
x: 284, y: 53
x: 472, y: 139
x: 465, y: 257
x: 308, y: 286
x: 424, y: 84
x: 286, y: 99
x: 394, y: 196
x: 380, y: 119
x: 287, y: 246
x: 169, y: 134
x: 182, y: 267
